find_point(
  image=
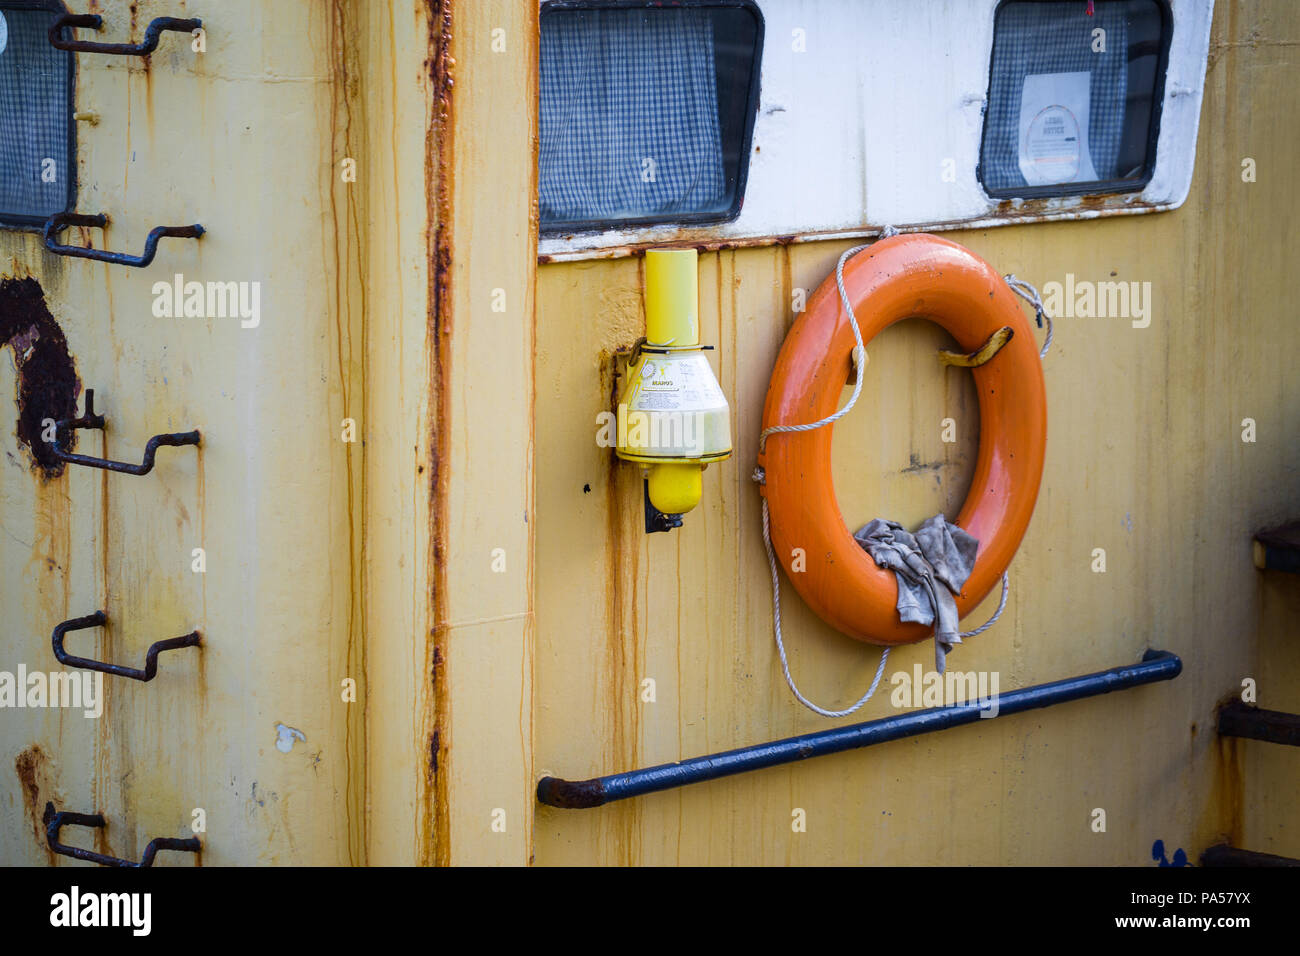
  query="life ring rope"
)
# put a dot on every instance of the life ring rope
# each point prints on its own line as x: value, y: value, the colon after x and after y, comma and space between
x: 859, y: 359
x: 1027, y: 292
x: 780, y: 644
x: 1023, y: 289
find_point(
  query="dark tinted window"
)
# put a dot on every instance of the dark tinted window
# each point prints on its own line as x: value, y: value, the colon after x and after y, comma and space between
x: 1074, y: 99
x: 646, y: 112
x: 35, y: 116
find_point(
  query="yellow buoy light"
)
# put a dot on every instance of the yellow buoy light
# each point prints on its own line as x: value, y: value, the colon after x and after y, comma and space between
x: 673, y: 417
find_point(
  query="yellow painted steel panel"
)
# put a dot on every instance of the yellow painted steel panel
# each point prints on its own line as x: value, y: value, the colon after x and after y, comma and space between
x: 478, y: 565
x: 1145, y: 460
x: 242, y: 139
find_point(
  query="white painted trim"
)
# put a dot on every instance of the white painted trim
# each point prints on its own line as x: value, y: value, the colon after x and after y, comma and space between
x: 850, y: 135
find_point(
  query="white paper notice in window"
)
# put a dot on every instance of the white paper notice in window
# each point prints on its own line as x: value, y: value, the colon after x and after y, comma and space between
x: 1054, y: 129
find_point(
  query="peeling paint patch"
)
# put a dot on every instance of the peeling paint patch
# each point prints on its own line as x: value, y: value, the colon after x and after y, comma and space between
x: 285, y: 736
x: 47, y: 377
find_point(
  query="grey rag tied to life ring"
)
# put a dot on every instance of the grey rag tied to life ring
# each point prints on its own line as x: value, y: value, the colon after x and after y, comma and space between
x: 931, y: 567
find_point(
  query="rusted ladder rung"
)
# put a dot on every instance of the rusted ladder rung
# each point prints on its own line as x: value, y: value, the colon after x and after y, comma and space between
x: 1238, y: 719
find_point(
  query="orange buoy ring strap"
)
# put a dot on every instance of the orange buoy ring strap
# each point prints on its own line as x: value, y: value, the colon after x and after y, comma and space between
x: 896, y: 278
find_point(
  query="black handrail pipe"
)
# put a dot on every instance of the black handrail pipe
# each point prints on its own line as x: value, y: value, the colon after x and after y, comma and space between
x: 583, y: 794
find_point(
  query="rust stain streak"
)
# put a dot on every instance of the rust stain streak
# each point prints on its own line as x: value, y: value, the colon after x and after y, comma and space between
x: 343, y: 100
x: 36, y: 780
x: 1007, y: 212
x: 618, y: 547
x: 1230, y: 790
x: 434, y: 831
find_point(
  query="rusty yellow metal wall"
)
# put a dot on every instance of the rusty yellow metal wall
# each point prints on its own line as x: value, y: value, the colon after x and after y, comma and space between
x: 246, y: 139
x: 449, y: 532
x: 1145, y: 459
x: 374, y: 596
x: 475, y: 563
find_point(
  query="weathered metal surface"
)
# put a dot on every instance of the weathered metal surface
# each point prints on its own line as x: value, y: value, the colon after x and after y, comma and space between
x: 449, y: 392
x: 704, y: 240
x: 371, y: 561
x: 485, y: 519
x: 1145, y: 460
x: 249, y: 135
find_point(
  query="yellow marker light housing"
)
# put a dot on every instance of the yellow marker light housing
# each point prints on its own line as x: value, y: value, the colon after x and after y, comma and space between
x: 672, y: 415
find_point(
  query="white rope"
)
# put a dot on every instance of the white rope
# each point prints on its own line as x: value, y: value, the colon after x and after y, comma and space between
x: 859, y: 364
x: 780, y: 644
x: 1002, y: 604
x: 1027, y: 292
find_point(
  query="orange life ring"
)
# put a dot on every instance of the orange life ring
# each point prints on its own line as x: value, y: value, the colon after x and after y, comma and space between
x: 897, y: 278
